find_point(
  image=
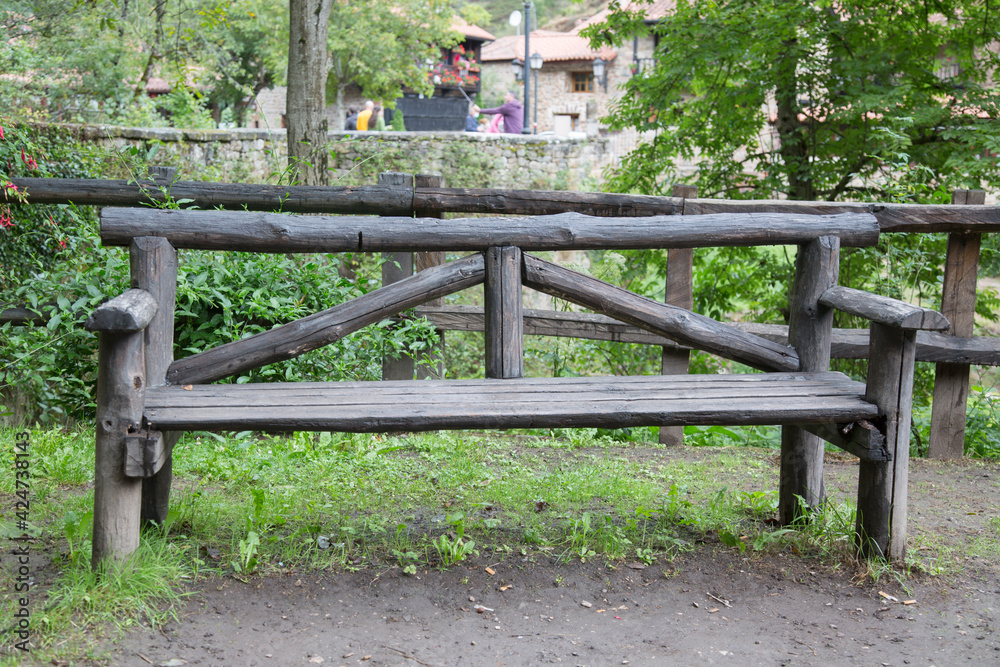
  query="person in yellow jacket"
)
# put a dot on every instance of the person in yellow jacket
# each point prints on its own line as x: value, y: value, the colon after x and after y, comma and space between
x: 365, y: 116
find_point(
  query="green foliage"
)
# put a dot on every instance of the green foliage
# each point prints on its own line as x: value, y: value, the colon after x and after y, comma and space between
x: 54, y: 263
x: 383, y: 46
x: 852, y: 92
x: 398, y: 124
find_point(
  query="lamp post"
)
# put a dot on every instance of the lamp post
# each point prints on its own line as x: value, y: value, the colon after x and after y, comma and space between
x: 601, y: 73
x: 518, y: 67
x: 527, y: 49
x: 536, y: 64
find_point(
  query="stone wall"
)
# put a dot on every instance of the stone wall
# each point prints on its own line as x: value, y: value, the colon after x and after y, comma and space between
x: 464, y: 159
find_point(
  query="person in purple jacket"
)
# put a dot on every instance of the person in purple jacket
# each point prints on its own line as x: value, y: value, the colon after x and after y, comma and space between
x: 512, y: 111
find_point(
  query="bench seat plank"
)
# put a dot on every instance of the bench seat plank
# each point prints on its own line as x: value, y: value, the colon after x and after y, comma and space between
x: 606, y: 402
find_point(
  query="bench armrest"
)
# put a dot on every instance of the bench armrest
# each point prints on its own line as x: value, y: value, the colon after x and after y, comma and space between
x: 884, y: 310
x: 128, y: 312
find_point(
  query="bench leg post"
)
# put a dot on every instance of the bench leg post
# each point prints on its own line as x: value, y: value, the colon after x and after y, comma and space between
x: 810, y: 329
x: 882, y: 486
x: 153, y: 267
x: 121, y: 385
x: 504, y: 326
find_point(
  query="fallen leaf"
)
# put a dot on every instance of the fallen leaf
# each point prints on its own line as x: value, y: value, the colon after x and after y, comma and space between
x: 503, y: 588
x: 367, y: 657
x: 601, y: 611
x: 490, y: 570
x: 909, y: 602
x: 713, y: 610
x: 188, y: 387
x: 316, y: 659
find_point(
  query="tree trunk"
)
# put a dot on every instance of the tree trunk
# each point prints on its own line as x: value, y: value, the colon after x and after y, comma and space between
x: 794, y: 142
x: 341, y: 116
x: 308, y: 66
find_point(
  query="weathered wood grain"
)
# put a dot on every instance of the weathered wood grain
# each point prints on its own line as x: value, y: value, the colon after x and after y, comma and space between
x: 845, y: 343
x: 958, y: 304
x: 860, y: 438
x: 608, y: 402
x: 882, y: 486
x: 503, y: 323
x: 145, y: 455
x: 233, y: 196
x: 883, y: 309
x: 916, y: 218
x: 679, y: 291
x: 395, y: 267
x: 273, y: 232
x: 153, y: 268
x: 121, y: 385
x: 309, y: 333
x: 540, y: 202
x: 685, y: 327
x: 817, y: 269
x: 130, y: 311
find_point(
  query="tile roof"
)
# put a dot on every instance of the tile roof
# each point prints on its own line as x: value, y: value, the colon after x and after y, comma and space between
x: 654, y: 11
x: 552, y: 46
x: 469, y: 30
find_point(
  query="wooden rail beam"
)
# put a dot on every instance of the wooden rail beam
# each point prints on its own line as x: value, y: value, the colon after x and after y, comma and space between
x: 675, y: 323
x: 274, y: 232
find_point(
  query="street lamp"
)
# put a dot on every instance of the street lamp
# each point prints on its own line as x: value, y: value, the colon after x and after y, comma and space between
x: 536, y: 64
x: 518, y: 68
x: 527, y: 49
x: 601, y: 73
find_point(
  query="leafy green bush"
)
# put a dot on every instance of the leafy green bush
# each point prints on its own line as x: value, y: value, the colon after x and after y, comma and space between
x: 52, y: 260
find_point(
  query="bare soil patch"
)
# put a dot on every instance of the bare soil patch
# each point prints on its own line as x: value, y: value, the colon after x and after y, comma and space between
x: 712, y: 605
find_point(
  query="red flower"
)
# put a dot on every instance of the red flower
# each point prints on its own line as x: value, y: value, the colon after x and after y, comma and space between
x: 1, y: 131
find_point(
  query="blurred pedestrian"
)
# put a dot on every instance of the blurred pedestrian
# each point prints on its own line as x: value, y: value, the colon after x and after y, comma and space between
x: 512, y: 111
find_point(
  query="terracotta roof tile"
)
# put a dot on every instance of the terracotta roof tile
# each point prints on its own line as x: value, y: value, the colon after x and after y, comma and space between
x: 469, y: 30
x: 552, y: 46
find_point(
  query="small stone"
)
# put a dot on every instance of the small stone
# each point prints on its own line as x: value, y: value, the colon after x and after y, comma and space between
x: 586, y: 604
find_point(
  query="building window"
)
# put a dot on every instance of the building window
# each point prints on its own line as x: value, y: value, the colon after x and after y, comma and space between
x: 583, y: 82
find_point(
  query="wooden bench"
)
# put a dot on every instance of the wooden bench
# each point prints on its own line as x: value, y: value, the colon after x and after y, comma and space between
x: 145, y: 398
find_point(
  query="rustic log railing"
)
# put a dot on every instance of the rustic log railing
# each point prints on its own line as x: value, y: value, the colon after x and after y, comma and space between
x: 145, y: 399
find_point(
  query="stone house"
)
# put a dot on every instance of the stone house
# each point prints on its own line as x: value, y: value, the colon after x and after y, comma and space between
x: 567, y: 86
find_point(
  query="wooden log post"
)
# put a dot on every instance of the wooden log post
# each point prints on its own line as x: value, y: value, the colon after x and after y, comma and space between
x: 810, y: 329
x: 882, y: 485
x: 679, y: 292
x: 504, y: 324
x: 395, y: 267
x: 153, y: 266
x: 425, y: 260
x: 121, y: 386
x: 958, y: 304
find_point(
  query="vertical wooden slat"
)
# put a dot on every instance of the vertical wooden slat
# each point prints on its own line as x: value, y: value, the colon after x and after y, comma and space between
x: 395, y: 267
x: 882, y: 486
x: 153, y: 267
x: 810, y: 329
x: 679, y: 292
x: 426, y: 260
x: 504, y: 323
x: 121, y: 385
x: 958, y: 304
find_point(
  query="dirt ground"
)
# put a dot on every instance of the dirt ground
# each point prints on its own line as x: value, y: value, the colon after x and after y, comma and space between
x: 711, y: 606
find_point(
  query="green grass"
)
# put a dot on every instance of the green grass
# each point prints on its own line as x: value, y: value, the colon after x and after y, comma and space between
x: 251, y: 505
